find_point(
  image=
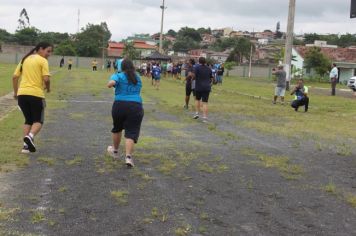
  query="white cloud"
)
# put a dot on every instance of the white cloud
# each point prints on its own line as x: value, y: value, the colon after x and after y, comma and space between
x: 143, y: 16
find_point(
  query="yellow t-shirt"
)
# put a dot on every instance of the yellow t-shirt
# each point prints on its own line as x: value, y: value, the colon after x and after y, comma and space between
x: 33, y: 70
x: 70, y: 62
x: 94, y: 63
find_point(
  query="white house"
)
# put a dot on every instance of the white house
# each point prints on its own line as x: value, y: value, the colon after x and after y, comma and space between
x: 344, y: 58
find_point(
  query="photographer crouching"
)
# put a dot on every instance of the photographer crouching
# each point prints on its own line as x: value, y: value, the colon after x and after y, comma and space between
x: 301, y: 96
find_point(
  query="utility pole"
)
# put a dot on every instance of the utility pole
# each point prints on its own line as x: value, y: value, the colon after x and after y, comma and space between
x: 78, y: 29
x: 289, y: 41
x: 250, y: 65
x: 163, y: 7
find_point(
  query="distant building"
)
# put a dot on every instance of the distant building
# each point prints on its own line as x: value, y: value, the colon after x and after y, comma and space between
x: 321, y: 44
x: 217, y: 56
x: 116, y: 49
x: 208, y: 39
x: 344, y: 58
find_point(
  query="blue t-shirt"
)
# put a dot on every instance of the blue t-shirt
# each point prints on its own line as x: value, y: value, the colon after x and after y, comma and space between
x: 156, y: 71
x: 126, y: 91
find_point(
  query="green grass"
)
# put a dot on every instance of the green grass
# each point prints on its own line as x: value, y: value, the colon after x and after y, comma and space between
x: 282, y: 163
x: 121, y: 196
x: 74, y: 162
x: 6, y: 72
x: 262, y: 116
x: 11, y: 138
x: 46, y: 160
x: 37, y: 217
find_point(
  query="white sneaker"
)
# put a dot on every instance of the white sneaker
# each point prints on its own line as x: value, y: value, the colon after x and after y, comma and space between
x: 196, y: 116
x: 114, y: 154
x: 25, y: 150
x: 129, y: 161
x: 205, y: 119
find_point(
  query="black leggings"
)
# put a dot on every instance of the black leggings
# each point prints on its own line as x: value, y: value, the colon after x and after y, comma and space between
x: 302, y: 102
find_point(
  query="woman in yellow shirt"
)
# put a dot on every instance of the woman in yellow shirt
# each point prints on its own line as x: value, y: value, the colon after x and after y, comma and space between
x: 29, y: 91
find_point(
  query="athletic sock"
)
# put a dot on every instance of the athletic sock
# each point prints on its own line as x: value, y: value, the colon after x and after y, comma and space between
x: 31, y: 135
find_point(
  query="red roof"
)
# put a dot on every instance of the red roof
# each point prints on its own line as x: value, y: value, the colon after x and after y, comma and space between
x: 347, y: 55
x: 116, y: 49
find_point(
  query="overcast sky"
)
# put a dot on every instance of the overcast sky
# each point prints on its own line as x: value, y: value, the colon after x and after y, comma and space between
x: 126, y: 17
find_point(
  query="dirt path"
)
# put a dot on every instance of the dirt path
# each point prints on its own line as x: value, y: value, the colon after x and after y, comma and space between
x: 191, y: 179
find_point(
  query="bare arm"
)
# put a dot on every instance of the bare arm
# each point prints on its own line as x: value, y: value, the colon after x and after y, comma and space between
x: 111, y: 84
x: 47, y: 83
x: 15, y: 85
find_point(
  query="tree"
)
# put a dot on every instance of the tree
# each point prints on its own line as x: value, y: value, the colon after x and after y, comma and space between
x: 242, y: 50
x: 204, y: 31
x: 53, y: 37
x: 130, y: 51
x: 27, y: 36
x: 166, y: 45
x: 189, y: 33
x: 6, y: 36
x: 65, y: 48
x: 91, y: 40
x: 224, y: 43
x: 315, y: 59
x: 228, y: 66
x: 172, y: 33
x: 185, y: 44
x: 24, y: 20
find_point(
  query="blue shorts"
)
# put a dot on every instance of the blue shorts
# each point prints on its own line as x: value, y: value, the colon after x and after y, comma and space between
x: 157, y: 78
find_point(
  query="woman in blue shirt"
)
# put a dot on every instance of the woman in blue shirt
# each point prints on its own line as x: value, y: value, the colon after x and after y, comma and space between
x: 127, y: 110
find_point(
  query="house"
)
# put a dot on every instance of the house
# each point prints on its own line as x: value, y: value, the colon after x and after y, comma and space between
x: 268, y: 54
x: 344, y: 58
x: 217, y: 56
x: 116, y: 49
x: 208, y: 39
x: 321, y: 44
x: 220, y: 57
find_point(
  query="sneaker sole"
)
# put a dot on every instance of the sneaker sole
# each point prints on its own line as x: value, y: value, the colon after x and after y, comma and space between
x: 30, y: 144
x: 129, y: 165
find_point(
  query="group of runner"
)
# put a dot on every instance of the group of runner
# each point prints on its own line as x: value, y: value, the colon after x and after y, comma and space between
x: 127, y: 109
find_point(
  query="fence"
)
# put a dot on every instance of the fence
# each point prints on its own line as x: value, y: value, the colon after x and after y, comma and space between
x: 54, y: 60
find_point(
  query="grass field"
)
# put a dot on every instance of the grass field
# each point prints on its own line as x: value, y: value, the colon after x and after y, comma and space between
x: 226, y: 101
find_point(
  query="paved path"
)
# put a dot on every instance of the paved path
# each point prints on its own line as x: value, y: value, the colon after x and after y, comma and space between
x: 191, y: 179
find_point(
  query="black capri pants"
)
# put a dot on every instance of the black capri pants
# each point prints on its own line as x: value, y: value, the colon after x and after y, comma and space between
x: 32, y: 108
x: 127, y: 116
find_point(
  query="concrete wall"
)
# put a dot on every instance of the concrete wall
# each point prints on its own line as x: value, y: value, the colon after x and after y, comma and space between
x: 14, y: 58
x: 257, y: 71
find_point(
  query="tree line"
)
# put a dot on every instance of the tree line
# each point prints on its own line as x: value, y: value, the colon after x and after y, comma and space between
x: 87, y: 43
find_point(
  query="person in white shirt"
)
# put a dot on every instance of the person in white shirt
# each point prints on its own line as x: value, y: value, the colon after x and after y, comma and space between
x: 334, y: 75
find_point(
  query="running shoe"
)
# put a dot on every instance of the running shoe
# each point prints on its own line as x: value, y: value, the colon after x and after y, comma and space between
x: 196, y: 116
x: 114, y: 154
x: 25, y: 150
x: 129, y: 161
x: 30, y: 143
x: 186, y: 107
x: 205, y: 119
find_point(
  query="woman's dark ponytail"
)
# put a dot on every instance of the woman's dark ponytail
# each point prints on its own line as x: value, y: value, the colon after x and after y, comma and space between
x: 42, y: 45
x: 129, y: 69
